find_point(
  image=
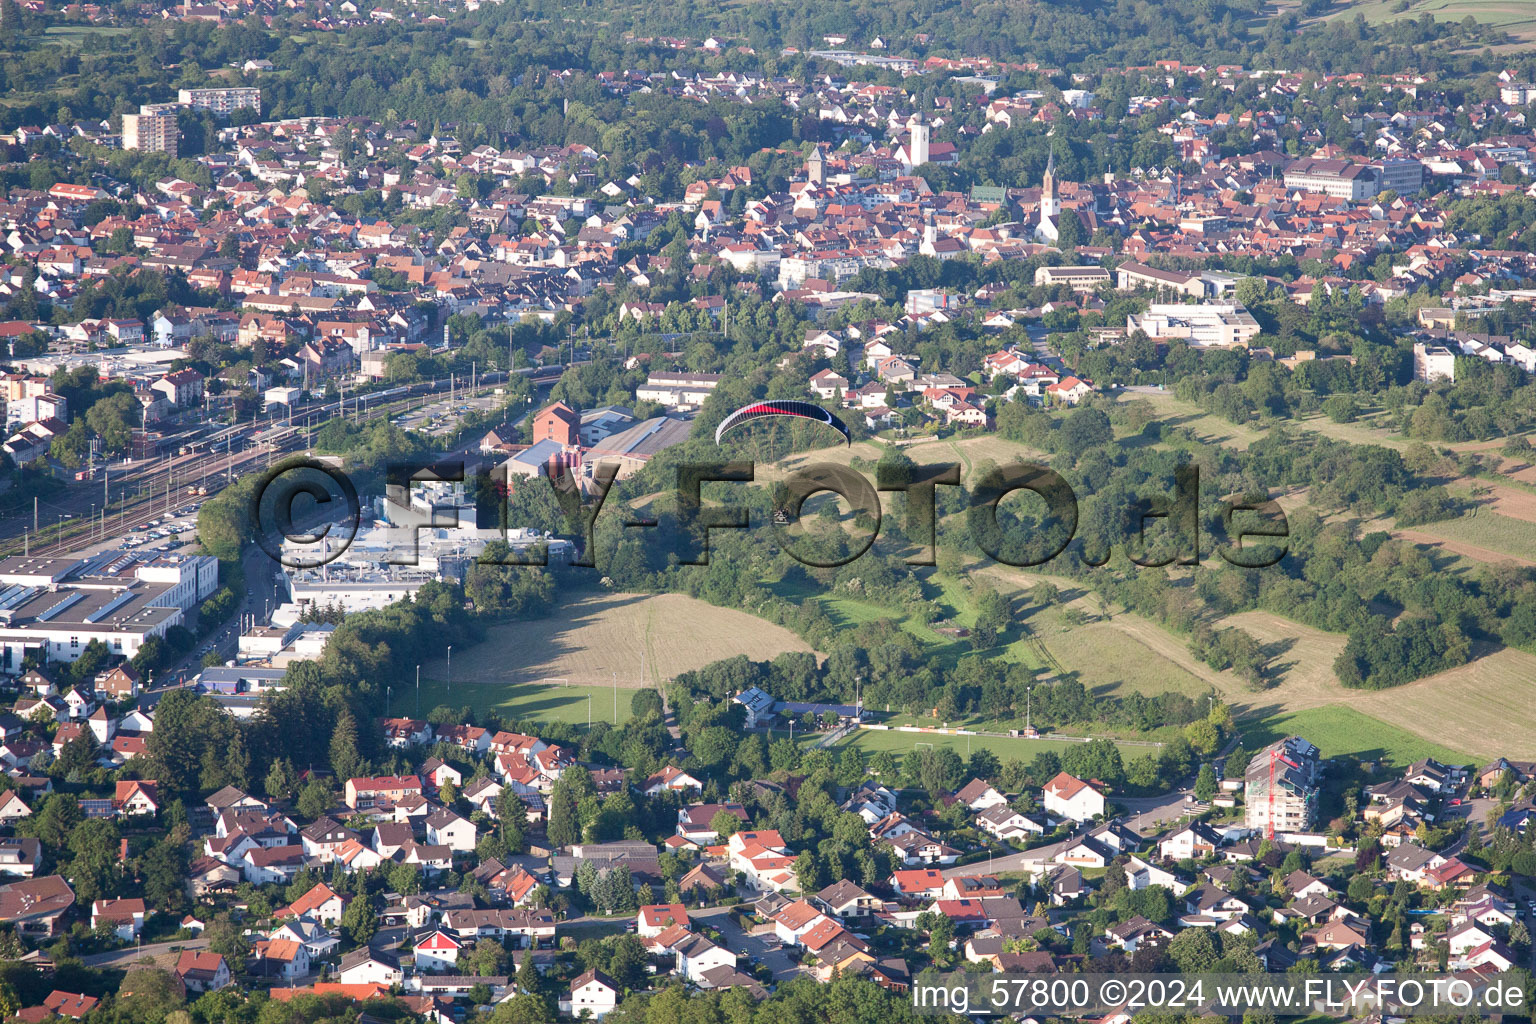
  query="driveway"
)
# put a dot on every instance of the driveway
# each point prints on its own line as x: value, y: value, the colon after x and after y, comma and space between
x: 1148, y: 814
x: 779, y: 962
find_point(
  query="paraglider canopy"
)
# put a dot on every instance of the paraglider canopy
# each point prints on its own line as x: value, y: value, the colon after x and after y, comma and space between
x: 781, y: 407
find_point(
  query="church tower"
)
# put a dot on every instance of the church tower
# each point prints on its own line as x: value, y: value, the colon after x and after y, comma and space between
x: 815, y: 170
x: 1050, y: 206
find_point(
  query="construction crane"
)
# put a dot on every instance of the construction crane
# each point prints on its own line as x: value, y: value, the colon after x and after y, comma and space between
x: 1269, y: 819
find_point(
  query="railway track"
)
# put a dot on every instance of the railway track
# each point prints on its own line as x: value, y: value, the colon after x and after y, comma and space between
x: 162, y: 487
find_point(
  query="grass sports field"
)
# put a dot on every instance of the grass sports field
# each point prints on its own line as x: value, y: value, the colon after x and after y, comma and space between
x: 641, y: 639
x: 1005, y: 747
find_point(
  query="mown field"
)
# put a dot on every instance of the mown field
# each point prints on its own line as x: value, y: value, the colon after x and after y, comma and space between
x: 641, y: 639
x: 523, y: 702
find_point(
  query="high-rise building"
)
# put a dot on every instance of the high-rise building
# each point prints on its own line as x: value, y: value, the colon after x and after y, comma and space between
x: 222, y: 102
x: 152, y: 129
x: 1280, y: 787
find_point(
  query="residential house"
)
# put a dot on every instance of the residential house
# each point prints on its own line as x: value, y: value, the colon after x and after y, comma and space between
x: 1072, y: 798
x: 592, y: 994
x: 201, y: 971
x: 286, y: 959
x: 125, y: 918
x: 437, y: 952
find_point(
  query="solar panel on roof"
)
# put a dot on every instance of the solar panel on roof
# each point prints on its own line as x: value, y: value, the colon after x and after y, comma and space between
x: 15, y: 597
x: 55, y: 609
x: 111, y: 606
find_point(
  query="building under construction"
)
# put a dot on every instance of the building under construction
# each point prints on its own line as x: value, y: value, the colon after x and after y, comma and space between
x: 1280, y: 787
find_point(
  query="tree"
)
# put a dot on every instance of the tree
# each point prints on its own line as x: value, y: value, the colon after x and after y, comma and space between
x: 725, y: 824
x: 488, y: 958
x: 282, y: 781
x: 346, y: 762
x: 79, y: 754
x: 564, y: 826
x: 315, y: 799
x: 1193, y: 950
x: 59, y: 817
x: 94, y: 863
x: 360, y: 920
x: 154, y: 996
x: 10, y: 23
x: 527, y: 974
x: 1205, y: 784
x: 164, y: 868
x: 645, y: 702
x: 225, y: 938
x: 808, y: 873
x: 512, y: 815
x: 984, y: 764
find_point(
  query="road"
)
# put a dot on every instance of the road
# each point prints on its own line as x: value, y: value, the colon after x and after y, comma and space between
x: 734, y: 938
x: 1146, y: 815
x: 1475, y: 811
x: 133, y: 954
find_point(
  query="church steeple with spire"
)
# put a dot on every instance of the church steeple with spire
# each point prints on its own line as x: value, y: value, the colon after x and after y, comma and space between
x: 1050, y: 206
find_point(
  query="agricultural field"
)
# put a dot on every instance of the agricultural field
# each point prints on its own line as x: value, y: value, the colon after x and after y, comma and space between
x: 74, y: 35
x: 1486, y: 707
x: 954, y: 608
x: 1122, y: 654
x: 1301, y: 661
x: 1485, y: 535
x: 641, y: 639
x: 1494, y: 695
x: 1343, y: 730
x: 1517, y: 17
x: 969, y: 452
x: 525, y: 702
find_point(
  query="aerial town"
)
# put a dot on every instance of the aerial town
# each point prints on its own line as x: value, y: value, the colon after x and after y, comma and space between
x: 472, y: 735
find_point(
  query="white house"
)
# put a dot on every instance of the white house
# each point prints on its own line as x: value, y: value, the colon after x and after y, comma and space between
x: 670, y: 777
x: 124, y: 917
x: 370, y: 967
x: 696, y: 956
x: 444, y: 828
x: 977, y: 795
x: 657, y: 918
x: 1141, y: 875
x: 437, y: 952
x: 1007, y: 824
x: 283, y: 958
x: 12, y: 808
x: 1191, y: 842
x: 1072, y: 798
x: 592, y: 993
